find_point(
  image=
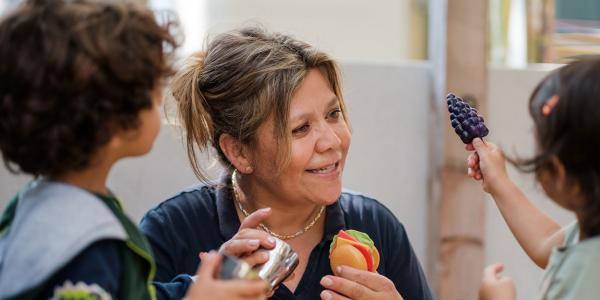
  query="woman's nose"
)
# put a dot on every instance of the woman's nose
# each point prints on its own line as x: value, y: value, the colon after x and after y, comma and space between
x: 328, y: 139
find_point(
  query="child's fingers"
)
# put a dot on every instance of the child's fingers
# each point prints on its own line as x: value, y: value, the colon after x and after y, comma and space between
x: 469, y: 147
x: 478, y: 145
x: 474, y: 173
x: 471, y: 161
x: 245, y: 288
x: 478, y: 175
x: 202, y: 255
x: 492, y: 271
x: 476, y: 159
x: 209, y: 265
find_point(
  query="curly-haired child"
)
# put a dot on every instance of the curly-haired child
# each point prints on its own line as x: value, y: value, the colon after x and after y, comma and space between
x: 80, y: 89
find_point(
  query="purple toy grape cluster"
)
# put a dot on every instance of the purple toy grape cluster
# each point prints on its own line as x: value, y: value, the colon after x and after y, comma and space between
x: 465, y: 120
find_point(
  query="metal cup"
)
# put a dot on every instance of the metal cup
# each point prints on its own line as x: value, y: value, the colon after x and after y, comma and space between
x: 282, y: 262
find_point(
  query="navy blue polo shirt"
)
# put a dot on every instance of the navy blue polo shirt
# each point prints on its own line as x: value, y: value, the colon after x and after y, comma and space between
x: 203, y: 218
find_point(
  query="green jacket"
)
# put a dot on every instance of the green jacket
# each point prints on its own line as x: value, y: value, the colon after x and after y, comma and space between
x: 49, y: 223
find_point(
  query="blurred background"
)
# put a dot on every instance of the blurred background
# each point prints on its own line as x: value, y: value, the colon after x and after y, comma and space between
x: 387, y: 52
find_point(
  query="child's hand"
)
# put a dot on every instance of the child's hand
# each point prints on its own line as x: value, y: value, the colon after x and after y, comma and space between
x: 487, y: 164
x: 208, y: 287
x: 495, y: 286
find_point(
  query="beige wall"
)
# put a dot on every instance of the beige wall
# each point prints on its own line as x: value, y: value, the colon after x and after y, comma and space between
x: 348, y: 29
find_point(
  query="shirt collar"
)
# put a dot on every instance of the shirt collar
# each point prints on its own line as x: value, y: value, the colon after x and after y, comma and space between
x: 335, y: 220
x: 229, y: 222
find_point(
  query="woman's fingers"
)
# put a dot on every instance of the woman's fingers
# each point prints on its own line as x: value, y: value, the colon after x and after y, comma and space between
x: 290, y: 277
x: 371, y: 280
x: 348, y: 288
x: 256, y: 258
x: 239, y: 247
x: 245, y: 241
x: 331, y: 295
x: 255, y: 218
x: 248, y: 230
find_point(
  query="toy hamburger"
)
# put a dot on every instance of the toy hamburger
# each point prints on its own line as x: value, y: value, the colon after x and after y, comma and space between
x: 354, y: 249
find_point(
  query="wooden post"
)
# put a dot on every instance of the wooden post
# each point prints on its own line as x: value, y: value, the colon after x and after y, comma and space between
x: 456, y: 252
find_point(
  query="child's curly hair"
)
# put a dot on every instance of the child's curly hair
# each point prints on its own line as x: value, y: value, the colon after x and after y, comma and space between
x: 72, y: 73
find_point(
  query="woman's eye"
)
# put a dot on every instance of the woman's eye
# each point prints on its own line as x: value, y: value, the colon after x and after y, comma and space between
x: 335, y: 114
x: 301, y: 129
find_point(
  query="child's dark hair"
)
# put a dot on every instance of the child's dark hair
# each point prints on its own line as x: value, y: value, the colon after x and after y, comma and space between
x: 570, y: 131
x: 72, y: 73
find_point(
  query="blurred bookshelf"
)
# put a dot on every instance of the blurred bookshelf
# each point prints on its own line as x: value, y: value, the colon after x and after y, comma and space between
x: 523, y: 32
x: 576, y: 29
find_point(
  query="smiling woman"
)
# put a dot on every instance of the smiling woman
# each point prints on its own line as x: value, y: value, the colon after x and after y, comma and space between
x: 272, y: 108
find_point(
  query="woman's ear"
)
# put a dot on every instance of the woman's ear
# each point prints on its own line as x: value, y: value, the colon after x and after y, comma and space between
x: 236, y: 153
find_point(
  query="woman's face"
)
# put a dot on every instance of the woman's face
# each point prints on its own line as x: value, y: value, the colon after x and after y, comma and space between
x: 319, y: 145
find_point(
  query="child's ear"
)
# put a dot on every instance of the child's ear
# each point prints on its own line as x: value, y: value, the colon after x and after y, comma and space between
x: 564, y: 185
x: 560, y: 174
x: 120, y: 138
x: 119, y: 144
x: 236, y: 152
x: 115, y: 144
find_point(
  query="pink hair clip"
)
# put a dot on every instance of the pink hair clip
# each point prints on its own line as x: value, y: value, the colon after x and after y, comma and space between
x: 549, y: 105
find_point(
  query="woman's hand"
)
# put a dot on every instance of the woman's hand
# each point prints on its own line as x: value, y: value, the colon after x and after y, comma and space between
x: 359, y: 285
x: 495, y: 286
x: 487, y: 164
x: 207, y: 287
x: 248, y: 239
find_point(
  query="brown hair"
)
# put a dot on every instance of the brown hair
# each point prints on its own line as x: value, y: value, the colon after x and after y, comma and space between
x: 243, y: 78
x: 72, y: 73
x: 571, y: 133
